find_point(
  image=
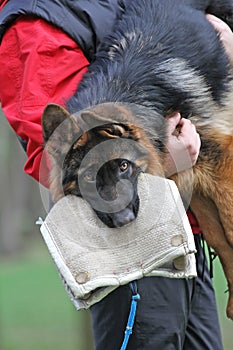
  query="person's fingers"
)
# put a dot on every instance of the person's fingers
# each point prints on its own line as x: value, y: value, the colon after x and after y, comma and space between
x: 218, y: 24
x: 187, y: 129
x: 185, y: 125
x: 213, y: 18
x: 225, y: 35
x: 172, y: 123
x: 190, y: 137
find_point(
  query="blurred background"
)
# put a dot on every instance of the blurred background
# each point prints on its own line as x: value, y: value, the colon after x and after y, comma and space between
x: 35, y: 311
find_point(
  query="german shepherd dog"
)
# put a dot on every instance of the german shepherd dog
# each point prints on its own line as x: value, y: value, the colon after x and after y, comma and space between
x: 163, y: 57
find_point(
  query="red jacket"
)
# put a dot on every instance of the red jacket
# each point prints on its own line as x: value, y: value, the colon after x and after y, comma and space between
x: 39, y: 64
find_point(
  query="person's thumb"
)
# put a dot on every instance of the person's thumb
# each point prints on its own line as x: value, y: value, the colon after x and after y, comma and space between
x: 172, y: 123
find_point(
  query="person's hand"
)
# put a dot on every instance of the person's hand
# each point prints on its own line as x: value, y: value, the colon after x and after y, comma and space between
x: 183, y: 145
x: 225, y: 35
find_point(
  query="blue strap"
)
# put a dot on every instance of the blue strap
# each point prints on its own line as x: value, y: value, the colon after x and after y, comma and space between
x: 132, y: 314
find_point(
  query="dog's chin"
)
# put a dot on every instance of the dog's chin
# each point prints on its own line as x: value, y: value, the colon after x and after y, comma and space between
x: 120, y: 218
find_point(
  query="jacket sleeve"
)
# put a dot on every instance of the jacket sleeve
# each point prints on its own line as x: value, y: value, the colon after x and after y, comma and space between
x: 40, y: 64
x: 2, y: 3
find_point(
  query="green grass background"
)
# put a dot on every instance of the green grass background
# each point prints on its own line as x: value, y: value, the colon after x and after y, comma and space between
x: 36, y: 313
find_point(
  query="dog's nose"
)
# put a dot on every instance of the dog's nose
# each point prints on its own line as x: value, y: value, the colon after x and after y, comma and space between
x: 123, y: 217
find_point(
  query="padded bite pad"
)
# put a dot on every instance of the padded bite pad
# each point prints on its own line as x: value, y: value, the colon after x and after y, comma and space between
x: 93, y: 259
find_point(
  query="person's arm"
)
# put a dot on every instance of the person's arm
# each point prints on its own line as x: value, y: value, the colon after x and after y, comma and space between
x: 182, y: 147
x: 225, y: 35
x: 39, y: 64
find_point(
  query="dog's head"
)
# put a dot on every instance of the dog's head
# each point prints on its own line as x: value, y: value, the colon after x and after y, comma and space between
x: 98, y: 154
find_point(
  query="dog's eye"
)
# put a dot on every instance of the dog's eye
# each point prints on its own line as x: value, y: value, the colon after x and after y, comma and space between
x: 89, y: 177
x: 124, y: 166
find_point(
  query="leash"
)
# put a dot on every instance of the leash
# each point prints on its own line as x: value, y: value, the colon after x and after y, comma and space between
x: 132, y: 314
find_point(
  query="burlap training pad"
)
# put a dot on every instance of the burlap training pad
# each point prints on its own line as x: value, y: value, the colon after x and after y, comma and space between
x: 90, y: 255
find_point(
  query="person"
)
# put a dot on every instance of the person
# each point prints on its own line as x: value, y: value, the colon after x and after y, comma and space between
x: 46, y: 47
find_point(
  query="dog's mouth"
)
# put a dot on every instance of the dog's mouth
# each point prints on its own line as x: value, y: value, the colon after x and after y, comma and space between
x: 122, y: 217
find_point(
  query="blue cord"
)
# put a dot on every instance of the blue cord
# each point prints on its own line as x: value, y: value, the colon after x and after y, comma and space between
x: 132, y: 314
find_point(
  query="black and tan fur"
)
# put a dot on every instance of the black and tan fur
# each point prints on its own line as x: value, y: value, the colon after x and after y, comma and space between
x: 141, y: 76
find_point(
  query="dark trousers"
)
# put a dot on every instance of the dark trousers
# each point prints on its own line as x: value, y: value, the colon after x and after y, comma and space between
x: 172, y: 314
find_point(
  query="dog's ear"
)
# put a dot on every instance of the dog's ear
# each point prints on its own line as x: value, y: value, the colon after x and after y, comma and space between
x: 60, y: 129
x: 97, y: 117
x: 106, y: 113
x: 52, y: 117
x: 111, y: 120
